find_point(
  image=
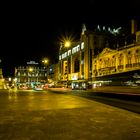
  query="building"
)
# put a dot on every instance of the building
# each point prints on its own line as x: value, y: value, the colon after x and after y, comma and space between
x: 30, y: 75
x: 1, y: 80
x: 98, y: 54
x: 75, y: 63
x: 52, y: 72
x: 117, y: 67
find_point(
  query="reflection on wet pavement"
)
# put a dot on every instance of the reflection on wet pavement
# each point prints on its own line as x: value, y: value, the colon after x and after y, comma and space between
x: 43, y: 101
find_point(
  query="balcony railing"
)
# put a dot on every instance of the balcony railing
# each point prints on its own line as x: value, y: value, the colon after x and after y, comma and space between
x: 136, y: 64
x: 110, y: 70
x: 120, y: 67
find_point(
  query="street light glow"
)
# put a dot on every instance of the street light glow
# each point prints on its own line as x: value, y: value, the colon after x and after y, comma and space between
x: 45, y: 61
x: 30, y: 69
x: 67, y: 44
x: 66, y: 40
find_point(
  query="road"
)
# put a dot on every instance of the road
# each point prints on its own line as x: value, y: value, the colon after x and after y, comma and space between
x: 124, y: 101
x: 123, y: 97
x: 30, y: 115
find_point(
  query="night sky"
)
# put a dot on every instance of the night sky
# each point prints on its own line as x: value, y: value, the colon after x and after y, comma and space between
x: 32, y: 30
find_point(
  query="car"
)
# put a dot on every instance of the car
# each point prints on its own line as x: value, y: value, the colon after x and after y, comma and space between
x: 38, y: 88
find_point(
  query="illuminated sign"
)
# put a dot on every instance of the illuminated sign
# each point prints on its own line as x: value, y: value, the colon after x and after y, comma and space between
x: 113, y: 31
x: 74, y: 76
x: 72, y: 51
x: 32, y: 62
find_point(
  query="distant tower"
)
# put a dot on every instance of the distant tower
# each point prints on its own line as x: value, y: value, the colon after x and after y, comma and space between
x: 83, y: 29
x: 133, y: 26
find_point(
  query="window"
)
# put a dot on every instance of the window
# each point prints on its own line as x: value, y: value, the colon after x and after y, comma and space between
x: 76, y: 66
x: 113, y: 61
x: 69, y: 52
x: 82, y: 45
x: 138, y: 38
x: 129, y: 60
x: 137, y: 56
x: 121, y: 59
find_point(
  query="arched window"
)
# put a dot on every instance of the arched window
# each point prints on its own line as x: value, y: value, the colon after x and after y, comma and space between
x: 113, y: 60
x: 100, y: 63
x: 18, y: 73
x: 137, y: 56
x: 129, y: 58
x: 121, y: 59
x: 76, y: 65
x: 107, y: 62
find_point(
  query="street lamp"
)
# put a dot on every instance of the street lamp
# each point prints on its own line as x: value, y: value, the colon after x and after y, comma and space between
x: 30, y: 69
x: 45, y: 62
x: 30, y: 77
x: 67, y: 44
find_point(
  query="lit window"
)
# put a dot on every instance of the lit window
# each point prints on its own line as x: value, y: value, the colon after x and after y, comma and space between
x: 69, y: 52
x: 82, y: 62
x: 82, y: 45
x: 73, y: 50
x: 18, y: 73
x: 78, y: 48
x: 59, y: 57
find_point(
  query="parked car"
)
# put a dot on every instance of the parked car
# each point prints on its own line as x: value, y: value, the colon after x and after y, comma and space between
x: 38, y: 88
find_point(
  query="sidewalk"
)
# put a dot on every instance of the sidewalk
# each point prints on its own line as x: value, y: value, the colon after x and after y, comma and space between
x: 118, y: 90
x: 109, y: 89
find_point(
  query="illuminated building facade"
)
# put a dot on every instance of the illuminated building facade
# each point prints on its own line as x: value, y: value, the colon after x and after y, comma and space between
x: 52, y: 72
x: 75, y: 62
x: 1, y: 80
x: 1, y: 77
x: 31, y: 74
x: 119, y: 66
x: 98, y: 55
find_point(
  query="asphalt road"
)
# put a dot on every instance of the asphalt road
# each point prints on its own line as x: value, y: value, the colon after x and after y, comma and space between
x: 123, y: 97
x: 30, y: 115
x: 124, y: 101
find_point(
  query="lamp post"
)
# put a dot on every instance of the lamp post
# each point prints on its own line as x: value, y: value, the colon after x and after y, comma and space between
x: 30, y: 77
x: 45, y: 62
x: 67, y: 44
